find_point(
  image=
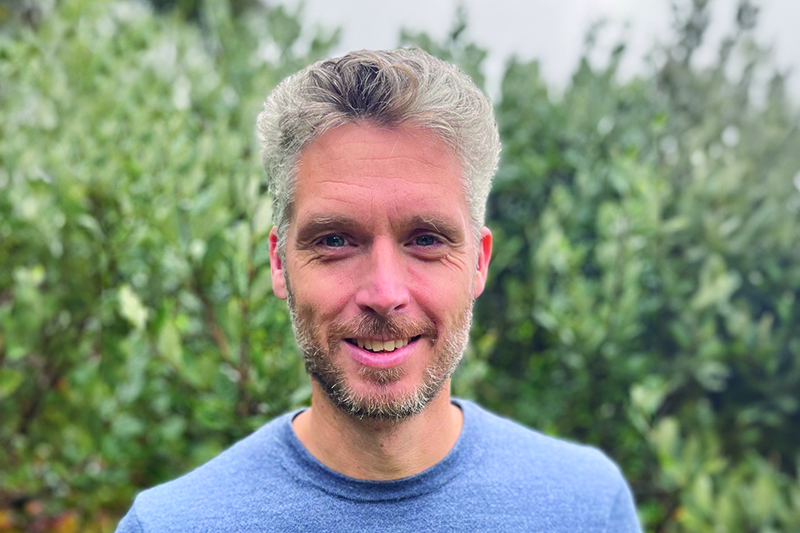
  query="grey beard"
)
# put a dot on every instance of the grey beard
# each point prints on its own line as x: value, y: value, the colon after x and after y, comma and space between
x: 320, y: 366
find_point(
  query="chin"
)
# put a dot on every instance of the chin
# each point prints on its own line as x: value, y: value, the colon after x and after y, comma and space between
x: 381, y: 394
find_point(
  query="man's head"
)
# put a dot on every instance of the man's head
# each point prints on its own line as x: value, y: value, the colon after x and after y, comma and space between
x: 387, y: 88
x: 379, y: 166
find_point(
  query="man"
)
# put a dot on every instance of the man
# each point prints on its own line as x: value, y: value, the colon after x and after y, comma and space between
x: 379, y: 166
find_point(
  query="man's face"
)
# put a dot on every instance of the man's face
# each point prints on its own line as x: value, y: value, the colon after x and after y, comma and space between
x: 381, y: 267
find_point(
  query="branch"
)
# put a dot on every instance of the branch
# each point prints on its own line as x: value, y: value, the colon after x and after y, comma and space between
x: 244, y: 345
x: 210, y: 317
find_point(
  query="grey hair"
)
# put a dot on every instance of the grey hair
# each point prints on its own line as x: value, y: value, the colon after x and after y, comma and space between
x: 389, y: 88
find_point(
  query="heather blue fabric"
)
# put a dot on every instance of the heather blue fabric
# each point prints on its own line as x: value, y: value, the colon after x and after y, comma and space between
x: 498, y: 477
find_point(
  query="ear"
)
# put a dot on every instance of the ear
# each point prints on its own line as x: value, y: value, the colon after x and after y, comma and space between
x: 484, y: 256
x: 276, y: 266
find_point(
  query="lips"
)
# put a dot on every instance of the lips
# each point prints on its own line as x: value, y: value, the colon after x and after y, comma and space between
x: 374, y: 353
x: 377, y: 345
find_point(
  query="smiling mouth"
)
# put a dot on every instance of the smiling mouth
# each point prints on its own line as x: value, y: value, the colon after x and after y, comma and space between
x: 378, y: 346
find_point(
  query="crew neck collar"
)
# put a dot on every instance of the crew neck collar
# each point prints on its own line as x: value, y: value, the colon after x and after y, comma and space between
x: 305, y: 468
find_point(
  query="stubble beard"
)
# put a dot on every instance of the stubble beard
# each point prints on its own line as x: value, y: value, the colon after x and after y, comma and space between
x: 382, y: 405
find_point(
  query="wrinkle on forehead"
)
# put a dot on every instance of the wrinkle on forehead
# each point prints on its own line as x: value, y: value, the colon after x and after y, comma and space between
x: 343, y: 182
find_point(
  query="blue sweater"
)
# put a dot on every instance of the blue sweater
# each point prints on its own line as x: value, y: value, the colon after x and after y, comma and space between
x: 498, y: 477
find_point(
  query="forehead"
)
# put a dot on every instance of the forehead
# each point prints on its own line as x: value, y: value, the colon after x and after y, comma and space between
x: 362, y: 169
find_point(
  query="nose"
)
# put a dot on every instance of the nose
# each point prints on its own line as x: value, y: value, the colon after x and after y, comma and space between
x: 383, y: 287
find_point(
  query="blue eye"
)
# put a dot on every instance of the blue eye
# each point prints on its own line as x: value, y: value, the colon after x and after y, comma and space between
x: 334, y: 241
x: 425, y: 240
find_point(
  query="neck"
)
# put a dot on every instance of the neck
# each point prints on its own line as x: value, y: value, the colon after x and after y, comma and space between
x: 378, y: 450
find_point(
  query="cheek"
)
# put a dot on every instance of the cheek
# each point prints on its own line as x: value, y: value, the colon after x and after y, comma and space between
x: 327, y: 293
x: 441, y: 291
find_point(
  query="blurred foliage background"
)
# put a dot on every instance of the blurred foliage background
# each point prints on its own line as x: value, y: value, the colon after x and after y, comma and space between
x: 643, y: 295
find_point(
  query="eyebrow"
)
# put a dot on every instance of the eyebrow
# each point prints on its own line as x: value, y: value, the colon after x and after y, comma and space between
x: 319, y: 225
x: 444, y: 227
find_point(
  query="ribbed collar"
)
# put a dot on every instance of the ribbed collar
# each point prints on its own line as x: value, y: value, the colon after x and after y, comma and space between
x: 305, y: 468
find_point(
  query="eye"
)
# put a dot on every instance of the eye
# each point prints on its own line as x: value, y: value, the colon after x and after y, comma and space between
x: 425, y: 240
x: 333, y: 241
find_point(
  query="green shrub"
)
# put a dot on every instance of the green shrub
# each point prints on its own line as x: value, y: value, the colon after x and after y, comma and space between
x: 644, y: 292
x: 138, y: 334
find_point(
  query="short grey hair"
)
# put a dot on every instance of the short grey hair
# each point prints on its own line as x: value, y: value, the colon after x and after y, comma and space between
x: 389, y: 88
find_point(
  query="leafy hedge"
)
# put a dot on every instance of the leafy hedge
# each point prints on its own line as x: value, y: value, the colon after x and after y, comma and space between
x: 138, y: 334
x: 643, y: 294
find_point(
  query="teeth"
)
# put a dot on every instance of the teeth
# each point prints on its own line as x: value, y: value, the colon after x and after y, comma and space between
x: 378, y: 346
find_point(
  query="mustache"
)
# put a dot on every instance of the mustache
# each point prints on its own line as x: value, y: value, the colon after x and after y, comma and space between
x: 375, y: 326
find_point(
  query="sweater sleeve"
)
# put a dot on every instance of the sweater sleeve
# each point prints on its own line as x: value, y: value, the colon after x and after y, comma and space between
x: 130, y: 522
x: 622, y: 516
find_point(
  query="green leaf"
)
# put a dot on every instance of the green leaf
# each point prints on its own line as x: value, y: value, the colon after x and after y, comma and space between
x: 131, y: 307
x: 10, y: 380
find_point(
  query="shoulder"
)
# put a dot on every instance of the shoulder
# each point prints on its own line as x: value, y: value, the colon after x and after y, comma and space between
x: 530, y: 457
x: 249, y: 469
x: 573, y: 487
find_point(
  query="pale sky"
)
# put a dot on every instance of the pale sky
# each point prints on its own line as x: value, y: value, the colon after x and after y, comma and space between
x: 550, y: 30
